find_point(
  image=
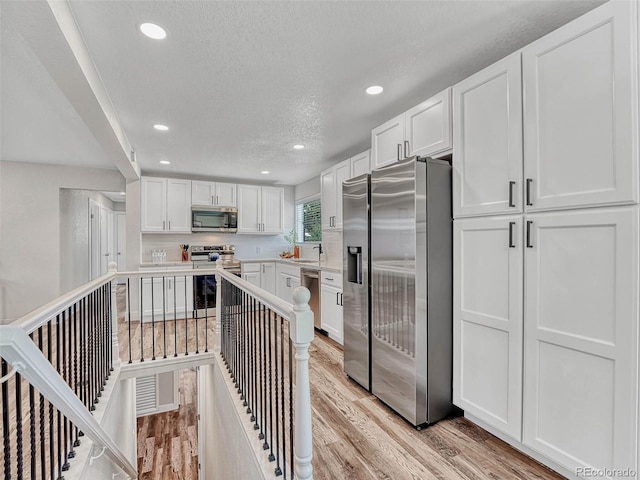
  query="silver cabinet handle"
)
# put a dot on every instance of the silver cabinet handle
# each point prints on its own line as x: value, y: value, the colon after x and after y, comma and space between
x: 406, y: 149
x: 529, y: 244
x: 106, y: 254
x: 262, y: 268
x: 119, y: 253
x: 163, y: 223
x: 169, y: 224
x: 217, y: 200
x: 288, y: 281
x: 399, y: 151
x: 212, y: 202
x: 330, y: 279
x: 263, y: 227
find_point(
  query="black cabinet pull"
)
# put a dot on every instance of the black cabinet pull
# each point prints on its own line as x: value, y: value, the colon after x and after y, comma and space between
x: 337, y: 298
x: 341, y: 299
x: 529, y: 203
x: 511, y: 225
x: 511, y: 185
x: 529, y: 234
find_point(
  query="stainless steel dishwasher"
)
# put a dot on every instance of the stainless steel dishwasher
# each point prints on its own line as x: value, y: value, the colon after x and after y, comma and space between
x: 311, y: 280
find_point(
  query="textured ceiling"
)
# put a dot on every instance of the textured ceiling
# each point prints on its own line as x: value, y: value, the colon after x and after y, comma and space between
x: 240, y: 82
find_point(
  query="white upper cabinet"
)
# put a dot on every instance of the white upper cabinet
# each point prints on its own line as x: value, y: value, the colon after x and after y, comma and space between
x: 387, y: 142
x: 331, y: 194
x: 165, y: 205
x: 581, y: 337
x: 487, y: 141
x: 428, y: 126
x: 580, y: 112
x: 260, y: 209
x: 360, y: 164
x: 488, y: 320
x: 423, y: 130
x: 213, y: 193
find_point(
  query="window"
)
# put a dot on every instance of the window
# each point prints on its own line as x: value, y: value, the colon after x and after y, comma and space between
x: 308, y: 221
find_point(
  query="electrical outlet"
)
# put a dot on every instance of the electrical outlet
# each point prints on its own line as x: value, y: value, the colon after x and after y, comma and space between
x: 258, y: 249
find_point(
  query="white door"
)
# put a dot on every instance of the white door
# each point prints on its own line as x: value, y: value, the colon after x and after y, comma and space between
x: 95, y: 256
x: 248, y: 208
x: 581, y: 337
x: 272, y: 209
x: 360, y: 164
x: 487, y: 141
x: 343, y: 172
x: 328, y: 198
x: 331, y: 311
x: 225, y: 195
x: 121, y: 241
x: 202, y: 193
x: 387, y: 142
x: 104, y: 239
x: 487, y: 320
x: 580, y: 91
x: 153, y: 208
x: 179, y: 205
x: 428, y: 126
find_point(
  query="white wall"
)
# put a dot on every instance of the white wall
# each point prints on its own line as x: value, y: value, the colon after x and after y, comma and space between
x: 307, y: 189
x: 74, y: 235
x: 30, y: 234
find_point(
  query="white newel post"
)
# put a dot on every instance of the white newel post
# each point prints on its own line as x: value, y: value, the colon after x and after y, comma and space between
x: 115, y: 347
x: 301, y: 334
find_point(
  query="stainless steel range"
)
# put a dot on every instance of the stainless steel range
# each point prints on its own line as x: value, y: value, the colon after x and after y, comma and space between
x: 204, y: 286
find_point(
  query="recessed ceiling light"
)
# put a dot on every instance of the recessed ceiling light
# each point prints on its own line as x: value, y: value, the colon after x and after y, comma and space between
x: 374, y: 90
x: 165, y: 162
x: 122, y: 193
x: 152, y: 30
x: 298, y: 147
x: 265, y: 172
x: 162, y: 128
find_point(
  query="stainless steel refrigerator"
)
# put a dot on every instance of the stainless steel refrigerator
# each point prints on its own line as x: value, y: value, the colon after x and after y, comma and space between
x: 406, y: 270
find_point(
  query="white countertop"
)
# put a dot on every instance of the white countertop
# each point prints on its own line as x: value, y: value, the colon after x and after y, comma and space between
x: 177, y: 263
x: 290, y: 261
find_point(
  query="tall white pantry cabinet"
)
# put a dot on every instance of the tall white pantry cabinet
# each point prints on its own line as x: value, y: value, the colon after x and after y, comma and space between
x: 546, y: 239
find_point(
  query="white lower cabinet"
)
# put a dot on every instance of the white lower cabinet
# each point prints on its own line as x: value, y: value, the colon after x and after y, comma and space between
x: 331, y: 305
x: 488, y: 320
x: 168, y: 297
x: 287, y: 279
x: 251, y: 273
x: 268, y: 277
x: 546, y: 332
x: 581, y: 337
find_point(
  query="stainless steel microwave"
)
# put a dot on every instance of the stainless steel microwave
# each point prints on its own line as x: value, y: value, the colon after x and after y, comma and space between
x: 214, y: 219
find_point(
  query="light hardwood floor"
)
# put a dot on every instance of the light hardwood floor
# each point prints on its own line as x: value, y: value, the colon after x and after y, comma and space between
x: 168, y: 442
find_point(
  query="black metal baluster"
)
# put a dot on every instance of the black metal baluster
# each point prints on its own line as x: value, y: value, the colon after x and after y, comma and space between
x: 164, y: 318
x: 175, y: 317
x: 76, y: 442
x: 243, y: 351
x: 263, y: 379
x: 278, y: 470
x: 186, y: 314
x: 51, y: 445
x: 32, y: 428
x: 58, y: 414
x: 41, y: 417
x: 19, y: 450
x: 142, y: 319
x: 93, y: 365
x: 206, y: 301
x: 254, y: 366
x: 110, y: 333
x: 6, y: 438
x: 284, y: 437
x: 153, y: 323
x: 270, y: 369
x: 250, y: 357
x: 65, y: 436
x: 129, y: 315
x: 100, y: 338
x: 83, y: 360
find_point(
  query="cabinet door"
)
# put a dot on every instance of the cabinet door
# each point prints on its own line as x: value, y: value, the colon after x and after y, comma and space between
x: 581, y: 327
x: 153, y: 208
x: 360, y: 164
x: 272, y: 209
x: 487, y: 320
x: 252, y: 277
x: 387, y: 142
x: 248, y: 208
x: 331, y: 311
x: 180, y: 295
x: 342, y: 173
x: 225, y: 195
x: 268, y: 277
x: 580, y: 112
x: 152, y: 298
x: 328, y: 198
x: 428, y: 126
x: 202, y: 193
x: 179, y: 205
x: 284, y: 287
x: 487, y: 141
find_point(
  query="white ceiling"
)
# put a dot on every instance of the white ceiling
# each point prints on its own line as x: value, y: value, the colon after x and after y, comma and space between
x: 240, y: 82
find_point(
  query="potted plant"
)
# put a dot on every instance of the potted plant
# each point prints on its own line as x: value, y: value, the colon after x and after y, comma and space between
x: 291, y: 238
